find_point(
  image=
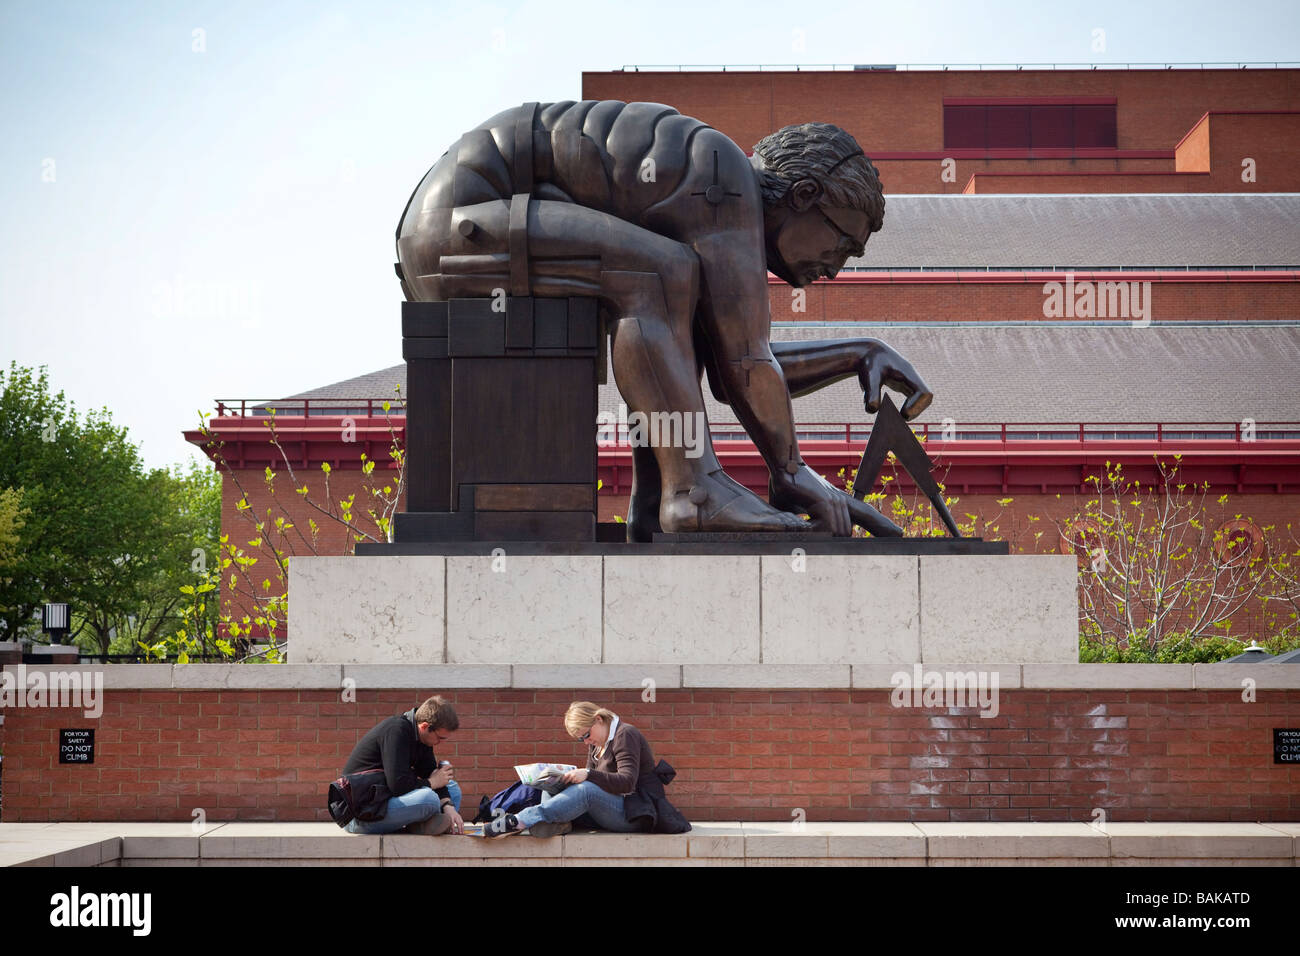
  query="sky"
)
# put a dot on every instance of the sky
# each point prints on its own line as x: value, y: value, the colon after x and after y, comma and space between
x: 198, y: 200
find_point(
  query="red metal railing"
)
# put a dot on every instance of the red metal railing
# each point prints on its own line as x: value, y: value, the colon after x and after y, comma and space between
x: 261, y: 408
x: 1159, y: 432
x: 614, y: 435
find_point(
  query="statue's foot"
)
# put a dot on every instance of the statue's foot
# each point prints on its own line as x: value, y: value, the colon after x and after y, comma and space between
x: 642, y: 518
x: 717, y: 503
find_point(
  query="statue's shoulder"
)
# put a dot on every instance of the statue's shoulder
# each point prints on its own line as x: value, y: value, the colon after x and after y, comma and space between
x: 707, y: 185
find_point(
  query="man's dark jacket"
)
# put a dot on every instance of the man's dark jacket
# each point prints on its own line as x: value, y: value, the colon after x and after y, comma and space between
x: 394, y: 746
x: 626, y: 766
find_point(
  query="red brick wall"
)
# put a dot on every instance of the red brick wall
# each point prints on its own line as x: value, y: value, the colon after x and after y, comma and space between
x: 266, y: 506
x: 903, y: 111
x: 757, y: 755
x: 1208, y: 160
x: 1001, y: 183
x: 1271, y: 139
x: 1275, y: 510
x: 333, y: 536
x: 926, y: 175
x: 1014, y: 299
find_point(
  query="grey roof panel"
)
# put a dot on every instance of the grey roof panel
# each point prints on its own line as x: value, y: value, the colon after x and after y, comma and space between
x: 1038, y: 373
x: 378, y: 384
x: 1085, y: 373
x: 1086, y: 231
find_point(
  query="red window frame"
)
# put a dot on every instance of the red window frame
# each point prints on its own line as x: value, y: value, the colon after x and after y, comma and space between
x: 1030, y: 124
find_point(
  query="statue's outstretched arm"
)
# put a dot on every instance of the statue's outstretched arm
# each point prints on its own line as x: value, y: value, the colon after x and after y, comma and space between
x: 812, y: 364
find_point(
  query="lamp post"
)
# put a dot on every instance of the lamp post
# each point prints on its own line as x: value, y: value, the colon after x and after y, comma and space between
x: 55, y: 620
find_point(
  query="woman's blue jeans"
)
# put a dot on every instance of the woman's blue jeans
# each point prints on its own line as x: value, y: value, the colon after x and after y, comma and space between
x: 413, y: 807
x: 603, y: 809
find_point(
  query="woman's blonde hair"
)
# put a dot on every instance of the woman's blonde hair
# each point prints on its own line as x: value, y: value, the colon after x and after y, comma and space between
x: 582, y: 714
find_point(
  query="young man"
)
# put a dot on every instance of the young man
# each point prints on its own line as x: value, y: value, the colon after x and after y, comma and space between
x: 402, y: 746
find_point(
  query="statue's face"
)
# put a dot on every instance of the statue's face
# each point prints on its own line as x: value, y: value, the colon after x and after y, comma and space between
x: 811, y: 241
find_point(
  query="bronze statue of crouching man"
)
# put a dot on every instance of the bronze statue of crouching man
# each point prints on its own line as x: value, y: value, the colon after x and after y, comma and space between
x: 673, y: 228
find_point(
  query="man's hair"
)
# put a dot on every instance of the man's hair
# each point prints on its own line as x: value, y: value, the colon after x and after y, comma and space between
x: 438, y: 713
x: 828, y: 155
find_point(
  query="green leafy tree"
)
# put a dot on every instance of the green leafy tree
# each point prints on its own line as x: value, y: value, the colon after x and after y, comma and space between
x: 186, y: 547
x: 31, y: 418
x: 195, y: 629
x: 120, y: 513
x: 1282, y: 598
x: 98, y: 529
x: 1167, y: 568
x: 1166, y: 571
x: 12, y: 517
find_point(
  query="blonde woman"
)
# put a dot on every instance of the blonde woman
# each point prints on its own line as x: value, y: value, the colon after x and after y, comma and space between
x: 621, y: 789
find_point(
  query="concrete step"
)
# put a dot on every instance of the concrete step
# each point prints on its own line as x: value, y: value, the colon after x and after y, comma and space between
x: 708, y: 844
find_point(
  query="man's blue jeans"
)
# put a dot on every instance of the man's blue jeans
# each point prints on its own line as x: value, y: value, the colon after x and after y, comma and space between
x: 414, y: 807
x: 603, y: 809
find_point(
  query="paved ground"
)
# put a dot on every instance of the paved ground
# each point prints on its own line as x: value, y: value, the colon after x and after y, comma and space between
x: 717, y: 844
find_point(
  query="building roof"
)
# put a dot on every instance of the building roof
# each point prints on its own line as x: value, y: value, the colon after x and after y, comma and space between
x: 1113, y: 373
x: 380, y: 384
x: 1094, y: 231
x: 1035, y: 373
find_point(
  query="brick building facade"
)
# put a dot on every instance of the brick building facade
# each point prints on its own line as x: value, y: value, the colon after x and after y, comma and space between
x: 1160, y: 122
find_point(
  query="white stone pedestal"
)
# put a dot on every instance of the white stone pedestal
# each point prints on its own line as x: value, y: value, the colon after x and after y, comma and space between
x: 674, y: 609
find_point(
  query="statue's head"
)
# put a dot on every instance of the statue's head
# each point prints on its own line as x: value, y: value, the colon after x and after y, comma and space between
x: 821, y: 200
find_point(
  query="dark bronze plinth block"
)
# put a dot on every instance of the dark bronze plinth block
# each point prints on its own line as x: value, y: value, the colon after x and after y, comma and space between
x: 500, y: 419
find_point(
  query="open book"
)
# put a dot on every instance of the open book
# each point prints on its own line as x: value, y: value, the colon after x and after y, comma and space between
x: 547, y: 777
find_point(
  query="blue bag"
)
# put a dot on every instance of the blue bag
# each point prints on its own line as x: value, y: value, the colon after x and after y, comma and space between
x: 510, y: 800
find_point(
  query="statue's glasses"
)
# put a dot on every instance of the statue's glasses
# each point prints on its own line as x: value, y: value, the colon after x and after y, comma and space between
x: 854, y: 247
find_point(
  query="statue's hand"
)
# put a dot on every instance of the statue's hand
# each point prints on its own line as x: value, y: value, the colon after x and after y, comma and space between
x: 881, y: 365
x: 830, y: 508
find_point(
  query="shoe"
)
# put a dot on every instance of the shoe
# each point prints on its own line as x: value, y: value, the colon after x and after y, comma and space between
x: 547, y: 830
x: 436, y: 825
x: 502, y: 825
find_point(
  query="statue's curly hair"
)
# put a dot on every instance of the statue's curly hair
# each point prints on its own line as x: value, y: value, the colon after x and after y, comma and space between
x: 827, y: 154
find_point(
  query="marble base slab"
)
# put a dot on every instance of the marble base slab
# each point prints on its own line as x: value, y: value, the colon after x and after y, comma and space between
x: 781, y: 609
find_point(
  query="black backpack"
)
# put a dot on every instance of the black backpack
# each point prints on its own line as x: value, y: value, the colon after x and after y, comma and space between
x: 363, y: 795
